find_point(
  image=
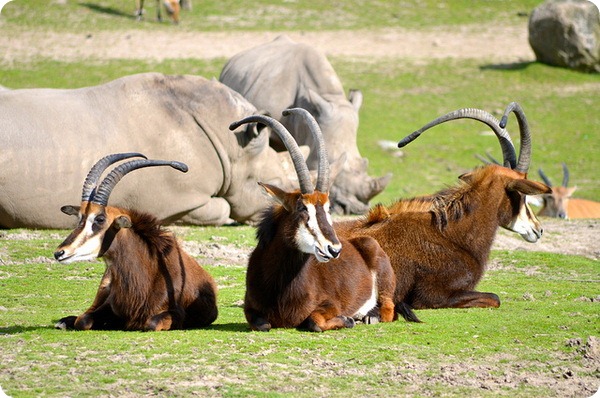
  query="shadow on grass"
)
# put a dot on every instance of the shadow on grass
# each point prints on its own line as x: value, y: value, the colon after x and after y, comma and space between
x: 107, y: 10
x: 23, y: 329
x: 510, y: 66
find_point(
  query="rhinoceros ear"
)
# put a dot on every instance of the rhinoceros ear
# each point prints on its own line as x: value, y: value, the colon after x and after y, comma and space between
x: 323, y: 107
x: 356, y: 98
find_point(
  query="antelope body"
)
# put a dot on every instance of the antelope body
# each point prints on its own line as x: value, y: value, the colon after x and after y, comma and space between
x: 150, y: 282
x: 171, y: 7
x: 300, y: 274
x: 439, y: 244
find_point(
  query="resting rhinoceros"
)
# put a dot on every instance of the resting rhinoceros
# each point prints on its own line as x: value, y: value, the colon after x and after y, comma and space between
x: 283, y: 74
x: 49, y: 138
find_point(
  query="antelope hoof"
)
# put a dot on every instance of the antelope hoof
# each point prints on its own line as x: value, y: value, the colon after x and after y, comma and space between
x: 370, y: 320
x: 348, y: 322
x: 261, y: 326
x: 66, y: 323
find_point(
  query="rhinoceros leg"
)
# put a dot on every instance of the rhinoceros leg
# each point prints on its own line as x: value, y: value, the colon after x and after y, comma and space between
x: 215, y: 212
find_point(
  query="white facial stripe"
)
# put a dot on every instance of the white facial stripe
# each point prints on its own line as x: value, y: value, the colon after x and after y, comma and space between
x: 86, y: 245
x: 326, y: 207
x: 310, y: 238
x: 526, y: 225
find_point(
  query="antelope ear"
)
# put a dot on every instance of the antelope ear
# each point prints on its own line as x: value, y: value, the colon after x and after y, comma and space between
x: 466, y: 177
x: 70, y: 210
x: 123, y: 222
x: 570, y: 191
x: 278, y: 194
x: 528, y: 187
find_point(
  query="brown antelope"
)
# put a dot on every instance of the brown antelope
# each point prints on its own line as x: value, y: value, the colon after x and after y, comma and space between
x: 150, y: 282
x: 439, y: 244
x: 171, y: 7
x: 300, y: 274
x: 560, y: 204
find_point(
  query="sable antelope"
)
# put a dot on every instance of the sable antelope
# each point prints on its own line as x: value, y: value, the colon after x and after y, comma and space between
x: 439, y: 244
x: 150, y: 282
x: 300, y: 274
x: 171, y: 7
x: 559, y: 202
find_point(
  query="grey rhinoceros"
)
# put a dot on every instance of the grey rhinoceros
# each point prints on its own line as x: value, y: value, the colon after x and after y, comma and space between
x: 284, y: 74
x: 49, y: 138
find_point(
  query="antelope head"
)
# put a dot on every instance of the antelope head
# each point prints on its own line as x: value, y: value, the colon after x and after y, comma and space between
x: 555, y: 203
x: 99, y: 223
x: 514, y: 213
x: 307, y: 210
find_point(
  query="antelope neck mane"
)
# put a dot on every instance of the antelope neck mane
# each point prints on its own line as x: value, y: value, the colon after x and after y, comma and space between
x: 448, y: 205
x: 152, y: 233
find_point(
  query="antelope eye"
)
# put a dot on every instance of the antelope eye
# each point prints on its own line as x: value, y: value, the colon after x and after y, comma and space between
x: 100, y: 219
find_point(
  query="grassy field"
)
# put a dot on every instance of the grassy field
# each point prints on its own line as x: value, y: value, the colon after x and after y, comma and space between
x: 539, y: 343
x: 529, y: 347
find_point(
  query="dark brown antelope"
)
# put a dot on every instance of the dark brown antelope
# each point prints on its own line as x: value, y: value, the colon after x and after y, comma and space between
x: 150, y: 282
x: 300, y: 274
x: 439, y: 244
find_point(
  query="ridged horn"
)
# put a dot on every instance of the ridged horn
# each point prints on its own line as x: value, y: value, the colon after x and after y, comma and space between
x: 322, y: 184
x: 508, y: 150
x: 91, y: 181
x: 565, y: 175
x: 110, y: 181
x: 544, y: 177
x: 525, y: 145
x: 290, y: 144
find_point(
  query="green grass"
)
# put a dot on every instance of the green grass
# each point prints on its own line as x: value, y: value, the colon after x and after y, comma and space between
x: 309, y: 15
x: 546, y: 302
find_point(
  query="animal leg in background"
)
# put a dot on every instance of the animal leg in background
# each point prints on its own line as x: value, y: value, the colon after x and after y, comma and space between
x: 215, y: 211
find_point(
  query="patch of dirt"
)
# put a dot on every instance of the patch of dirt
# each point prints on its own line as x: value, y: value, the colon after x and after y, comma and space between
x: 576, y: 237
x: 503, y: 44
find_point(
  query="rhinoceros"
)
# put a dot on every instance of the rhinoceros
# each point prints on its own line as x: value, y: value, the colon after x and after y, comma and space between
x: 49, y: 138
x: 284, y: 74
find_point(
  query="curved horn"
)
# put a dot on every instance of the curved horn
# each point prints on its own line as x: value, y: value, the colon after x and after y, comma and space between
x: 565, y: 175
x: 290, y: 144
x: 323, y: 173
x: 109, y: 182
x: 508, y: 150
x: 544, y: 177
x: 525, y: 145
x: 97, y: 169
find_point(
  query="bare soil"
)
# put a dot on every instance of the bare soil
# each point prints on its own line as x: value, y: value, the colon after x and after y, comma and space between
x: 506, y: 44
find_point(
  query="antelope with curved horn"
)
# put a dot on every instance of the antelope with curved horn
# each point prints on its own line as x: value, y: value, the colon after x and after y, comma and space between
x: 439, y: 244
x: 300, y: 274
x: 150, y: 282
x: 560, y: 204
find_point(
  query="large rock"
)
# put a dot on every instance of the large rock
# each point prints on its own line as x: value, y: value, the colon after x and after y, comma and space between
x: 566, y: 33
